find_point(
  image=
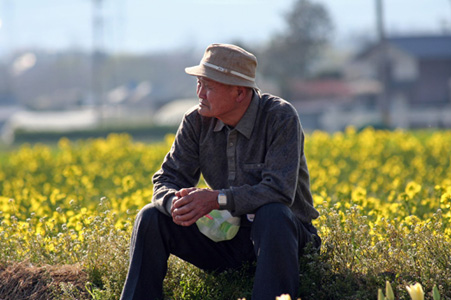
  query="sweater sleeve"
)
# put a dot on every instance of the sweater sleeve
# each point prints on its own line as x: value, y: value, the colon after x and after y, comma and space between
x: 180, y: 168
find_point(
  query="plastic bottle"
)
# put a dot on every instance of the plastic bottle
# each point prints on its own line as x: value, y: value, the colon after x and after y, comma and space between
x: 219, y: 225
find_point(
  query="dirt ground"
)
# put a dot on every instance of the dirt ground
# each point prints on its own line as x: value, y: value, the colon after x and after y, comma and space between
x: 23, y: 281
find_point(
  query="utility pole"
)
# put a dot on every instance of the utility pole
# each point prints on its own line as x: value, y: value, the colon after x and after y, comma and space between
x: 7, y: 26
x: 98, y: 58
x: 450, y: 15
x: 383, y: 66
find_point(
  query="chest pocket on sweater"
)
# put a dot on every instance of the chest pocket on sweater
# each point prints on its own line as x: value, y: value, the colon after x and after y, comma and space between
x: 254, y: 171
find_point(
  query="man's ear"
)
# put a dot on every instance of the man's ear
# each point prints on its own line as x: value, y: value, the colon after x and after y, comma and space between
x: 242, y: 93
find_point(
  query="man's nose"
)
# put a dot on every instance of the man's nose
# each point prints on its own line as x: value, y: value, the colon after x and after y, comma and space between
x: 201, y: 92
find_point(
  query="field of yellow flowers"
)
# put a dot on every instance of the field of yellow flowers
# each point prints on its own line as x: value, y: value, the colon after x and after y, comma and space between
x: 384, y: 198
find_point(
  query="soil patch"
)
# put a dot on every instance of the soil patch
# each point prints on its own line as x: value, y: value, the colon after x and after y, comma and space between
x: 20, y: 281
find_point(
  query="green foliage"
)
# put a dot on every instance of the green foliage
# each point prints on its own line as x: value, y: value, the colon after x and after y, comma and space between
x: 185, y: 281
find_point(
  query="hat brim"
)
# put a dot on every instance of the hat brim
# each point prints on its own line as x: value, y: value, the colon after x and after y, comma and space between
x: 218, y: 76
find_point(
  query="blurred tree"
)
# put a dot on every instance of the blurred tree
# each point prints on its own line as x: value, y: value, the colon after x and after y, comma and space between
x: 292, y: 53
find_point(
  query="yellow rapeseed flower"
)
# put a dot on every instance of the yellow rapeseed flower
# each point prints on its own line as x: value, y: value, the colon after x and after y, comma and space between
x: 412, y: 189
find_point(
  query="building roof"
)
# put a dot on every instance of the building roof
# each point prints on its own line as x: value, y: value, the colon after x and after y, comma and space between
x: 322, y: 88
x: 421, y: 47
x: 424, y: 46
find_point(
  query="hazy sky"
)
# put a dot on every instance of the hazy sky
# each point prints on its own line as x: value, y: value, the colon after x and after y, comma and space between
x: 146, y: 25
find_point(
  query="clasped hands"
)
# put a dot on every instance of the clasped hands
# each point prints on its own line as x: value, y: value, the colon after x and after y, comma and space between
x: 190, y: 204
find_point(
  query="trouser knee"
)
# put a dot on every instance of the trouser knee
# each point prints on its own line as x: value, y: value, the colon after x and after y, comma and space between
x: 275, y: 226
x: 273, y: 219
x: 147, y: 215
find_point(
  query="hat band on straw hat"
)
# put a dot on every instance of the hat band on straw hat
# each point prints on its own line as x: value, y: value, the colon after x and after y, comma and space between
x: 224, y: 70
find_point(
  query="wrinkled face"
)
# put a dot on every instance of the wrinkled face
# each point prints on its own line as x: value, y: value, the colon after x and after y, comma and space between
x: 216, y: 99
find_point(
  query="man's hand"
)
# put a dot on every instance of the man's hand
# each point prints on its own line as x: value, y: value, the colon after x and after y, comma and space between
x: 192, y: 204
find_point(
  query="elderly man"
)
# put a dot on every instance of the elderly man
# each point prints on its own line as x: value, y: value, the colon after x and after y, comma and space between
x: 249, y: 148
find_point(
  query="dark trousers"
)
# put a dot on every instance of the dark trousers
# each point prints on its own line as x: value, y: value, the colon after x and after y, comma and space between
x: 275, y: 240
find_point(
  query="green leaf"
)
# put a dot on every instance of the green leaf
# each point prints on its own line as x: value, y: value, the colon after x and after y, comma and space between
x: 435, y: 293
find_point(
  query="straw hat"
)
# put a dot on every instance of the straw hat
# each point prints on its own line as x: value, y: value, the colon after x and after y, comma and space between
x: 228, y: 64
